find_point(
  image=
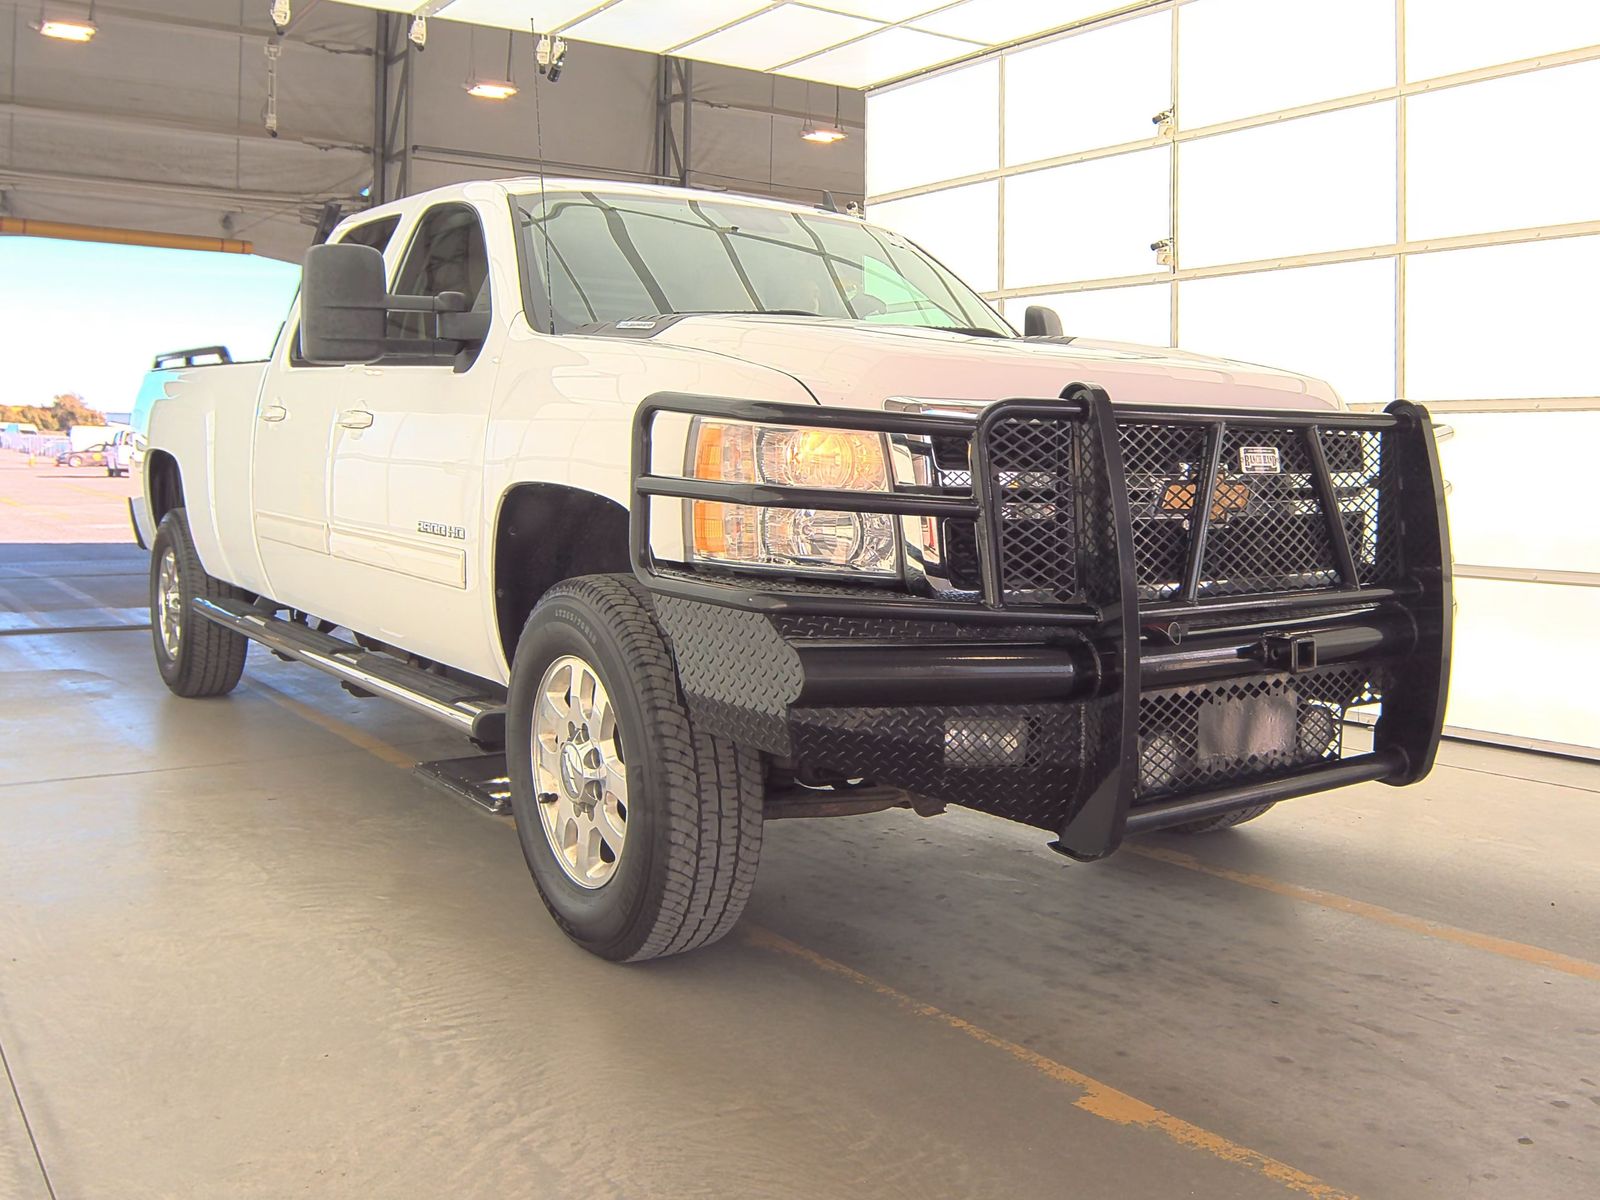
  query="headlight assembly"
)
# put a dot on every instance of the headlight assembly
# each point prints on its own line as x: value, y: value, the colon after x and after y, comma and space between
x: 794, y: 539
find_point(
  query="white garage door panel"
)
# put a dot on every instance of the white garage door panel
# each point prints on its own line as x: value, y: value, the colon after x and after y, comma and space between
x: 1088, y: 91
x: 1544, y: 629
x: 1540, y: 175
x: 1090, y: 220
x: 1503, y: 169
x: 959, y: 227
x: 1241, y: 57
x: 1335, y: 322
x: 1445, y: 36
x: 1317, y: 183
x: 1504, y: 322
x: 1523, y: 489
x: 1129, y: 314
x: 939, y: 128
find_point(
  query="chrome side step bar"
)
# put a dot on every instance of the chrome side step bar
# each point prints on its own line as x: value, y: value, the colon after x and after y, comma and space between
x: 461, y: 705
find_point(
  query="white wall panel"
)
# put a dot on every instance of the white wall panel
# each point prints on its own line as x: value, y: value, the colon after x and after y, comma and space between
x: 1551, y: 694
x: 1094, y: 89
x: 1089, y: 220
x: 1335, y: 322
x: 1522, y: 489
x: 1445, y: 36
x: 938, y: 128
x: 1242, y: 57
x: 1541, y: 173
x: 959, y: 227
x: 1128, y: 314
x: 1315, y: 183
x: 1504, y: 322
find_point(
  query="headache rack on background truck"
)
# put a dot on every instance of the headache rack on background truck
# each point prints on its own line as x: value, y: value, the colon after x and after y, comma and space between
x: 1161, y: 614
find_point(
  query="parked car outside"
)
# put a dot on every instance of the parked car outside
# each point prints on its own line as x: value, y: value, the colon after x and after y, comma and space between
x: 89, y: 456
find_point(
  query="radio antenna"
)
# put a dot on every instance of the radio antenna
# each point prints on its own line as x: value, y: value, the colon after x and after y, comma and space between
x: 544, y: 210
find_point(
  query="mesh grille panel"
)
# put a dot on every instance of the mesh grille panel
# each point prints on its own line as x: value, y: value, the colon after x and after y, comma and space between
x: 1163, y: 464
x: 1212, y: 735
x: 1366, y: 481
x: 1268, y: 524
x: 1281, y: 539
x: 1030, y: 463
x: 1268, y: 530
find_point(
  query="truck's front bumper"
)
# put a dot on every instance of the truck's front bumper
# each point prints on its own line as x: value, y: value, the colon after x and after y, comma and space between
x: 1101, y: 704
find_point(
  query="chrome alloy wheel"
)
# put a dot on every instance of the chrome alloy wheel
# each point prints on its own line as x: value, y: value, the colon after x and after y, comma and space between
x: 169, y: 604
x: 580, y: 777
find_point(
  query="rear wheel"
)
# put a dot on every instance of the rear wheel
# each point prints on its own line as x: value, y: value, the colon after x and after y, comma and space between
x: 1225, y: 821
x: 196, y: 657
x: 642, y: 833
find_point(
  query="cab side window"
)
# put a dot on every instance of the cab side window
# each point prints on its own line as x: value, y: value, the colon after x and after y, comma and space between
x: 447, y: 254
x: 374, y: 233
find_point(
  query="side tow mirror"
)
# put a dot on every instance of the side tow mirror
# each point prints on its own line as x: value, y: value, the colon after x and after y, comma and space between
x: 1040, y: 321
x: 343, y: 304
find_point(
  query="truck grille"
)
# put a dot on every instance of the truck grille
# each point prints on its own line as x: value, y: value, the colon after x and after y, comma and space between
x: 1267, y: 528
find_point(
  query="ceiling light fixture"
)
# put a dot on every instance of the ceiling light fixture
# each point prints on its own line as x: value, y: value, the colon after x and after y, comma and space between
x: 822, y: 134
x: 489, y: 89
x: 67, y: 29
x: 279, y: 14
x: 492, y: 89
x: 419, y: 32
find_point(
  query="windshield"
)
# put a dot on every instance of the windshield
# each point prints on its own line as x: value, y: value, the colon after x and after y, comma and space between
x: 604, y: 257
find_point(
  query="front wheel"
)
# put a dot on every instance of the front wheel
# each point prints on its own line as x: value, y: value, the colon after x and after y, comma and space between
x: 196, y: 657
x: 642, y: 833
x: 74, y: 461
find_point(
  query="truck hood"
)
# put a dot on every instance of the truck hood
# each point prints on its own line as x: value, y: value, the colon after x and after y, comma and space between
x: 852, y: 364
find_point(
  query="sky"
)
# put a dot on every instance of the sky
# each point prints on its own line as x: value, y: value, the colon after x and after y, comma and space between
x: 87, y: 318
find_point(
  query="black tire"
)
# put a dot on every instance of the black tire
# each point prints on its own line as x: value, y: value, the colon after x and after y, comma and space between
x: 1225, y: 821
x: 693, y: 836
x: 207, y: 659
x: 74, y: 461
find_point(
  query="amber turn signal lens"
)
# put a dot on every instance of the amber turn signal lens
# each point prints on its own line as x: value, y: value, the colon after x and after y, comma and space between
x: 710, y: 528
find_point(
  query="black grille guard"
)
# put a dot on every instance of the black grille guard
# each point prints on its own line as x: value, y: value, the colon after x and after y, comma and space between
x: 1364, y: 542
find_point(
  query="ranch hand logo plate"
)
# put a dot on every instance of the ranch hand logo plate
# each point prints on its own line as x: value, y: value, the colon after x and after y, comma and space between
x: 1259, y: 460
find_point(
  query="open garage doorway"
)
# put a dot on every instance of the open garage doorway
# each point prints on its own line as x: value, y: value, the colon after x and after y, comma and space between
x: 87, y: 322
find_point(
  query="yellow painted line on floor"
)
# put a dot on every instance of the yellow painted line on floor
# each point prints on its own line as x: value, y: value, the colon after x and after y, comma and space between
x: 1535, y: 955
x: 390, y: 754
x: 1100, y: 1099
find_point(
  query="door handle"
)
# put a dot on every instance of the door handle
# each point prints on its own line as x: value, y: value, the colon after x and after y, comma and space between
x: 274, y: 412
x: 355, y: 418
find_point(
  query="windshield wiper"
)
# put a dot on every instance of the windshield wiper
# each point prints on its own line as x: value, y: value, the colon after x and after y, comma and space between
x: 973, y: 330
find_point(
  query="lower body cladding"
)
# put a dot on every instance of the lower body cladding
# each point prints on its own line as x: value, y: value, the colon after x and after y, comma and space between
x: 1028, y: 724
x: 1102, y: 680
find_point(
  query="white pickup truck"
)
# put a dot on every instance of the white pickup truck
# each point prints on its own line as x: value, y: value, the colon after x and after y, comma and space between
x: 704, y: 511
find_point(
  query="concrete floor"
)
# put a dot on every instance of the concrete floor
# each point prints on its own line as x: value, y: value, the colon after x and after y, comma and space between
x: 245, y: 953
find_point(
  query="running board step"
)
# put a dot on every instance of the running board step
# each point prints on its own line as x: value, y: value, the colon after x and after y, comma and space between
x: 480, y: 778
x: 461, y: 705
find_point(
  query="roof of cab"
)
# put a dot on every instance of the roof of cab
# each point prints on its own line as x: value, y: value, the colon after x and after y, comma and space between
x: 523, y: 185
